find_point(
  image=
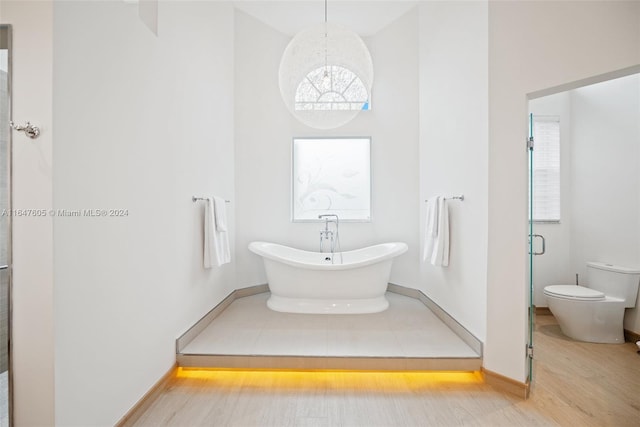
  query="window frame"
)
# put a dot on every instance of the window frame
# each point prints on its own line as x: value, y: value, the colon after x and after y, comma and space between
x: 293, y: 169
x: 365, y: 104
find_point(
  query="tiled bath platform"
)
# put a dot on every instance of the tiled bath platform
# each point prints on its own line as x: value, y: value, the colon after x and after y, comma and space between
x: 407, y: 336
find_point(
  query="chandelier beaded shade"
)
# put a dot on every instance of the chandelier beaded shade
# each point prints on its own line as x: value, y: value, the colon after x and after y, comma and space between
x: 326, y: 75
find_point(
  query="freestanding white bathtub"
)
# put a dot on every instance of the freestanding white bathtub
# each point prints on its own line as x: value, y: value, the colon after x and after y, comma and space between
x: 308, y: 282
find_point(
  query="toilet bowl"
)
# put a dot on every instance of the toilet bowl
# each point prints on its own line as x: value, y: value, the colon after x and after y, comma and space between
x: 595, y: 313
x: 585, y: 314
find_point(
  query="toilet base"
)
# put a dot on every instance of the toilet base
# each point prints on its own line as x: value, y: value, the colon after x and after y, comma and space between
x: 590, y: 321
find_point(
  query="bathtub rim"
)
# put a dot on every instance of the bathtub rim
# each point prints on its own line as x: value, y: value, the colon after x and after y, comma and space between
x: 396, y: 249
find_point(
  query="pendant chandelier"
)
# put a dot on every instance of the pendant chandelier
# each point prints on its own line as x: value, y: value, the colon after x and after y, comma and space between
x: 326, y: 75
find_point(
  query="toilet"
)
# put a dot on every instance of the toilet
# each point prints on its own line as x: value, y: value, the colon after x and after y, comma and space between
x: 595, y: 313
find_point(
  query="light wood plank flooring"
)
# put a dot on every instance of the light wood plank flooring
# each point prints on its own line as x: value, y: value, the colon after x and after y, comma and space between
x: 575, y: 384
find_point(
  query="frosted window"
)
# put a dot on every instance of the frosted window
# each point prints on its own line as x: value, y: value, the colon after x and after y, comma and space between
x: 546, y: 168
x: 331, y: 176
x: 331, y: 88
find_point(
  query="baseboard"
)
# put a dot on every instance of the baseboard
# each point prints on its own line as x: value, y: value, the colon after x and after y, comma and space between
x: 402, y: 290
x: 445, y: 317
x: 136, y: 411
x: 630, y: 336
x: 506, y: 384
x: 543, y: 311
x: 251, y: 290
x: 184, y: 339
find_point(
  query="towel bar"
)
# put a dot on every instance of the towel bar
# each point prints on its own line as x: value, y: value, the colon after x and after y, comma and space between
x: 460, y: 197
x: 198, y: 199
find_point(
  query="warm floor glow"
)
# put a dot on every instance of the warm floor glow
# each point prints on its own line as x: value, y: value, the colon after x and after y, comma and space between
x: 352, y: 380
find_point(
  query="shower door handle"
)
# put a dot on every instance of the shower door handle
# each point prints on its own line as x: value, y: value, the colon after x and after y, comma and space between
x: 544, y: 244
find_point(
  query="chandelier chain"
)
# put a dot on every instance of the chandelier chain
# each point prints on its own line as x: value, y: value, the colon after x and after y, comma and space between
x: 326, y: 67
x: 325, y: 11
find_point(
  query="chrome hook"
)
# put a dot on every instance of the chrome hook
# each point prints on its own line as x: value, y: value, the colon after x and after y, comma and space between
x: 32, y: 131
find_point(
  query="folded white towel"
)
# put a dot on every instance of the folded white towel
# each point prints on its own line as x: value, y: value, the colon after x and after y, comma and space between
x: 209, y: 234
x: 216, y: 237
x: 431, y: 227
x: 221, y: 213
x: 440, y: 255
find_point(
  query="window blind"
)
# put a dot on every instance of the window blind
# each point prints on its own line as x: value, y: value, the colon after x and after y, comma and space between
x: 546, y: 168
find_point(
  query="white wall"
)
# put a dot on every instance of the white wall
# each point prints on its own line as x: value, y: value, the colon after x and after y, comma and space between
x: 554, y: 267
x: 606, y: 177
x: 32, y: 317
x: 264, y: 132
x: 632, y: 316
x: 579, y: 40
x: 141, y: 123
x: 453, y: 152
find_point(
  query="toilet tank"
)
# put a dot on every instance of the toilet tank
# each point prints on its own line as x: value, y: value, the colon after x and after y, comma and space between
x: 614, y: 280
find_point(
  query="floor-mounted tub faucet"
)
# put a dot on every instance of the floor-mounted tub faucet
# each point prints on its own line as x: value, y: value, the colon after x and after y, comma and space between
x: 327, y: 234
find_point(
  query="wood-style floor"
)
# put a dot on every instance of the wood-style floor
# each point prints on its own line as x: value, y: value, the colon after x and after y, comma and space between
x: 575, y: 384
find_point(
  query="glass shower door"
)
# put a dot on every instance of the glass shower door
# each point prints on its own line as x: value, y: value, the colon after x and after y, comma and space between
x: 5, y: 227
x: 530, y: 325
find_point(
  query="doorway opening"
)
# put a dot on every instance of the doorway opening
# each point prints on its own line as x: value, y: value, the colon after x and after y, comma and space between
x: 584, y: 186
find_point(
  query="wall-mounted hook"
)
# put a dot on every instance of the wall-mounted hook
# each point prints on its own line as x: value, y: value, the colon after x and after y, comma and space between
x: 32, y: 131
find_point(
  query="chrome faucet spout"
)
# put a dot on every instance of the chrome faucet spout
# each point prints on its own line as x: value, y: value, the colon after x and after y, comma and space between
x: 327, y: 234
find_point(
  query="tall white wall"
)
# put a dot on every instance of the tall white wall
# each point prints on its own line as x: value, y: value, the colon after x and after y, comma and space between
x: 632, y: 317
x: 606, y: 177
x: 554, y: 267
x: 142, y: 123
x: 32, y: 245
x: 453, y: 152
x: 579, y: 40
x: 264, y: 132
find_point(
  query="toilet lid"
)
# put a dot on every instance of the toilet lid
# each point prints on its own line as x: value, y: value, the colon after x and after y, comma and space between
x: 574, y: 292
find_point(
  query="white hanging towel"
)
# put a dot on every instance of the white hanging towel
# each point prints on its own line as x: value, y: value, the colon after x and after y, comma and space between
x: 431, y: 228
x: 209, y: 234
x: 216, y: 238
x: 220, y: 207
x: 440, y: 256
x: 437, y: 232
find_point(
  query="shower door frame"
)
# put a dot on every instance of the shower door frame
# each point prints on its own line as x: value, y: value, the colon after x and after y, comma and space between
x: 530, y: 325
x: 8, y: 162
